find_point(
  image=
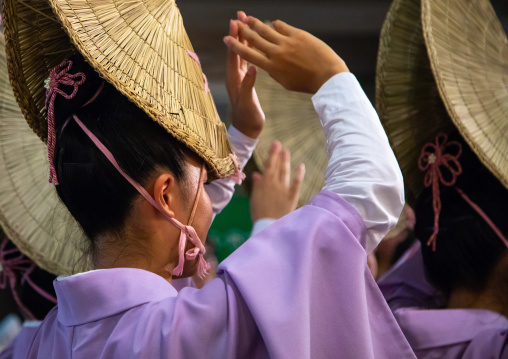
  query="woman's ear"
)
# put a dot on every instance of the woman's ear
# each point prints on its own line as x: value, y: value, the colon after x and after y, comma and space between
x: 164, y: 193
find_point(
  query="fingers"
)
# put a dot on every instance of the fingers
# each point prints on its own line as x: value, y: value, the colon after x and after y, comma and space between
x: 243, y: 63
x: 272, y: 161
x: 283, y: 28
x: 297, y: 181
x: 241, y: 16
x: 285, y: 167
x: 247, y: 86
x: 232, y: 62
x: 265, y: 31
x: 246, y: 52
x: 254, y: 39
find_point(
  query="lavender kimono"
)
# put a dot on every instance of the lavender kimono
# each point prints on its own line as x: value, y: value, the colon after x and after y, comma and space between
x: 434, y: 332
x: 300, y: 289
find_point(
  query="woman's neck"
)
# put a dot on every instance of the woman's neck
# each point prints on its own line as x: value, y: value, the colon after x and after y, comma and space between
x: 488, y: 299
x: 493, y: 297
x: 126, y: 254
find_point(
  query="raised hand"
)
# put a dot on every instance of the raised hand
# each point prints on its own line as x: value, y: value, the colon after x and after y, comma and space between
x: 248, y: 117
x: 273, y: 193
x: 293, y: 57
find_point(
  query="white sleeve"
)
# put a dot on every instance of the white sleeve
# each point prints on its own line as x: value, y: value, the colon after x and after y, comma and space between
x: 362, y: 168
x: 221, y: 191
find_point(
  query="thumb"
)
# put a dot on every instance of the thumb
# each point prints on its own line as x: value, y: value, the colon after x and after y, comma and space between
x: 248, y: 82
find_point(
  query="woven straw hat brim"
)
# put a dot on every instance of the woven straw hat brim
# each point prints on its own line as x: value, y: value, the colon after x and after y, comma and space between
x: 294, y: 122
x: 31, y: 213
x: 468, y: 52
x: 409, y: 101
x: 139, y: 47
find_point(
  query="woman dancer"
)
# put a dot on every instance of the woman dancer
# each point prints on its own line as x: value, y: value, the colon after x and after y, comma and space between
x: 299, y: 289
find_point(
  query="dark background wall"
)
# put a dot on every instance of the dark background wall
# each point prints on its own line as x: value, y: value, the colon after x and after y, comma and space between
x: 350, y: 27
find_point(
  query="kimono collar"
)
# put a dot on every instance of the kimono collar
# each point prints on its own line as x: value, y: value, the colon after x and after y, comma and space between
x: 99, y: 294
x: 427, y: 329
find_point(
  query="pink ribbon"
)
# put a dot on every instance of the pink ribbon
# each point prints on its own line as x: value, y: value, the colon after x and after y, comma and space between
x: 187, y: 233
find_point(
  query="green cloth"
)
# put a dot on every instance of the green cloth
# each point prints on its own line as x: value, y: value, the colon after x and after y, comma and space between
x: 231, y: 227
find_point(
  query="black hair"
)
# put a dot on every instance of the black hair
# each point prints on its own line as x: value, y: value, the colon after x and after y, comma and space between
x: 97, y: 196
x: 467, y: 249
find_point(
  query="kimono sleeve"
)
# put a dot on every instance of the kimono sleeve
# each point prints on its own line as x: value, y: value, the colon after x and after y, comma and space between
x: 306, y: 284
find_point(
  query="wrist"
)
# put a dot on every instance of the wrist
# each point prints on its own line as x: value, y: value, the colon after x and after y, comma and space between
x: 338, y: 67
x: 249, y: 132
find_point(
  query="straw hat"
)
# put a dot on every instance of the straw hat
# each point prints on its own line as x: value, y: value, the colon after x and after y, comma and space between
x: 140, y: 47
x: 443, y: 64
x: 294, y: 122
x: 31, y: 214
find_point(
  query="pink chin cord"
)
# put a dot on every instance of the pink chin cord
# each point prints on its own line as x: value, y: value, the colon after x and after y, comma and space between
x: 12, y: 261
x: 59, y: 75
x: 187, y: 232
x: 432, y: 158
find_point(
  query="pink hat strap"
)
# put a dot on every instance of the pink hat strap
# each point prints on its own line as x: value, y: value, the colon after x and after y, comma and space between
x: 187, y: 233
x: 435, y: 156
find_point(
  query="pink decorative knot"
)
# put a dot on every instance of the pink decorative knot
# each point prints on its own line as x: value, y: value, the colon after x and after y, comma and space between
x: 59, y: 75
x: 13, y: 261
x: 432, y: 160
x: 187, y: 233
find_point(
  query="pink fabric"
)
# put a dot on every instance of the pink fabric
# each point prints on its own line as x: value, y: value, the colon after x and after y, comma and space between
x: 58, y: 76
x: 18, y: 262
x: 196, y: 58
x: 432, y: 159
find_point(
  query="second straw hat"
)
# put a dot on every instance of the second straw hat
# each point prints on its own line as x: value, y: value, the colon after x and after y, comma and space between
x: 443, y: 64
x: 31, y: 214
x: 140, y: 47
x: 295, y: 123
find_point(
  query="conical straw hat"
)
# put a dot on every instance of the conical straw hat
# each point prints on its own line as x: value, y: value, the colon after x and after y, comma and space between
x: 468, y: 52
x: 294, y: 122
x: 30, y: 212
x: 412, y: 88
x: 140, y: 47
